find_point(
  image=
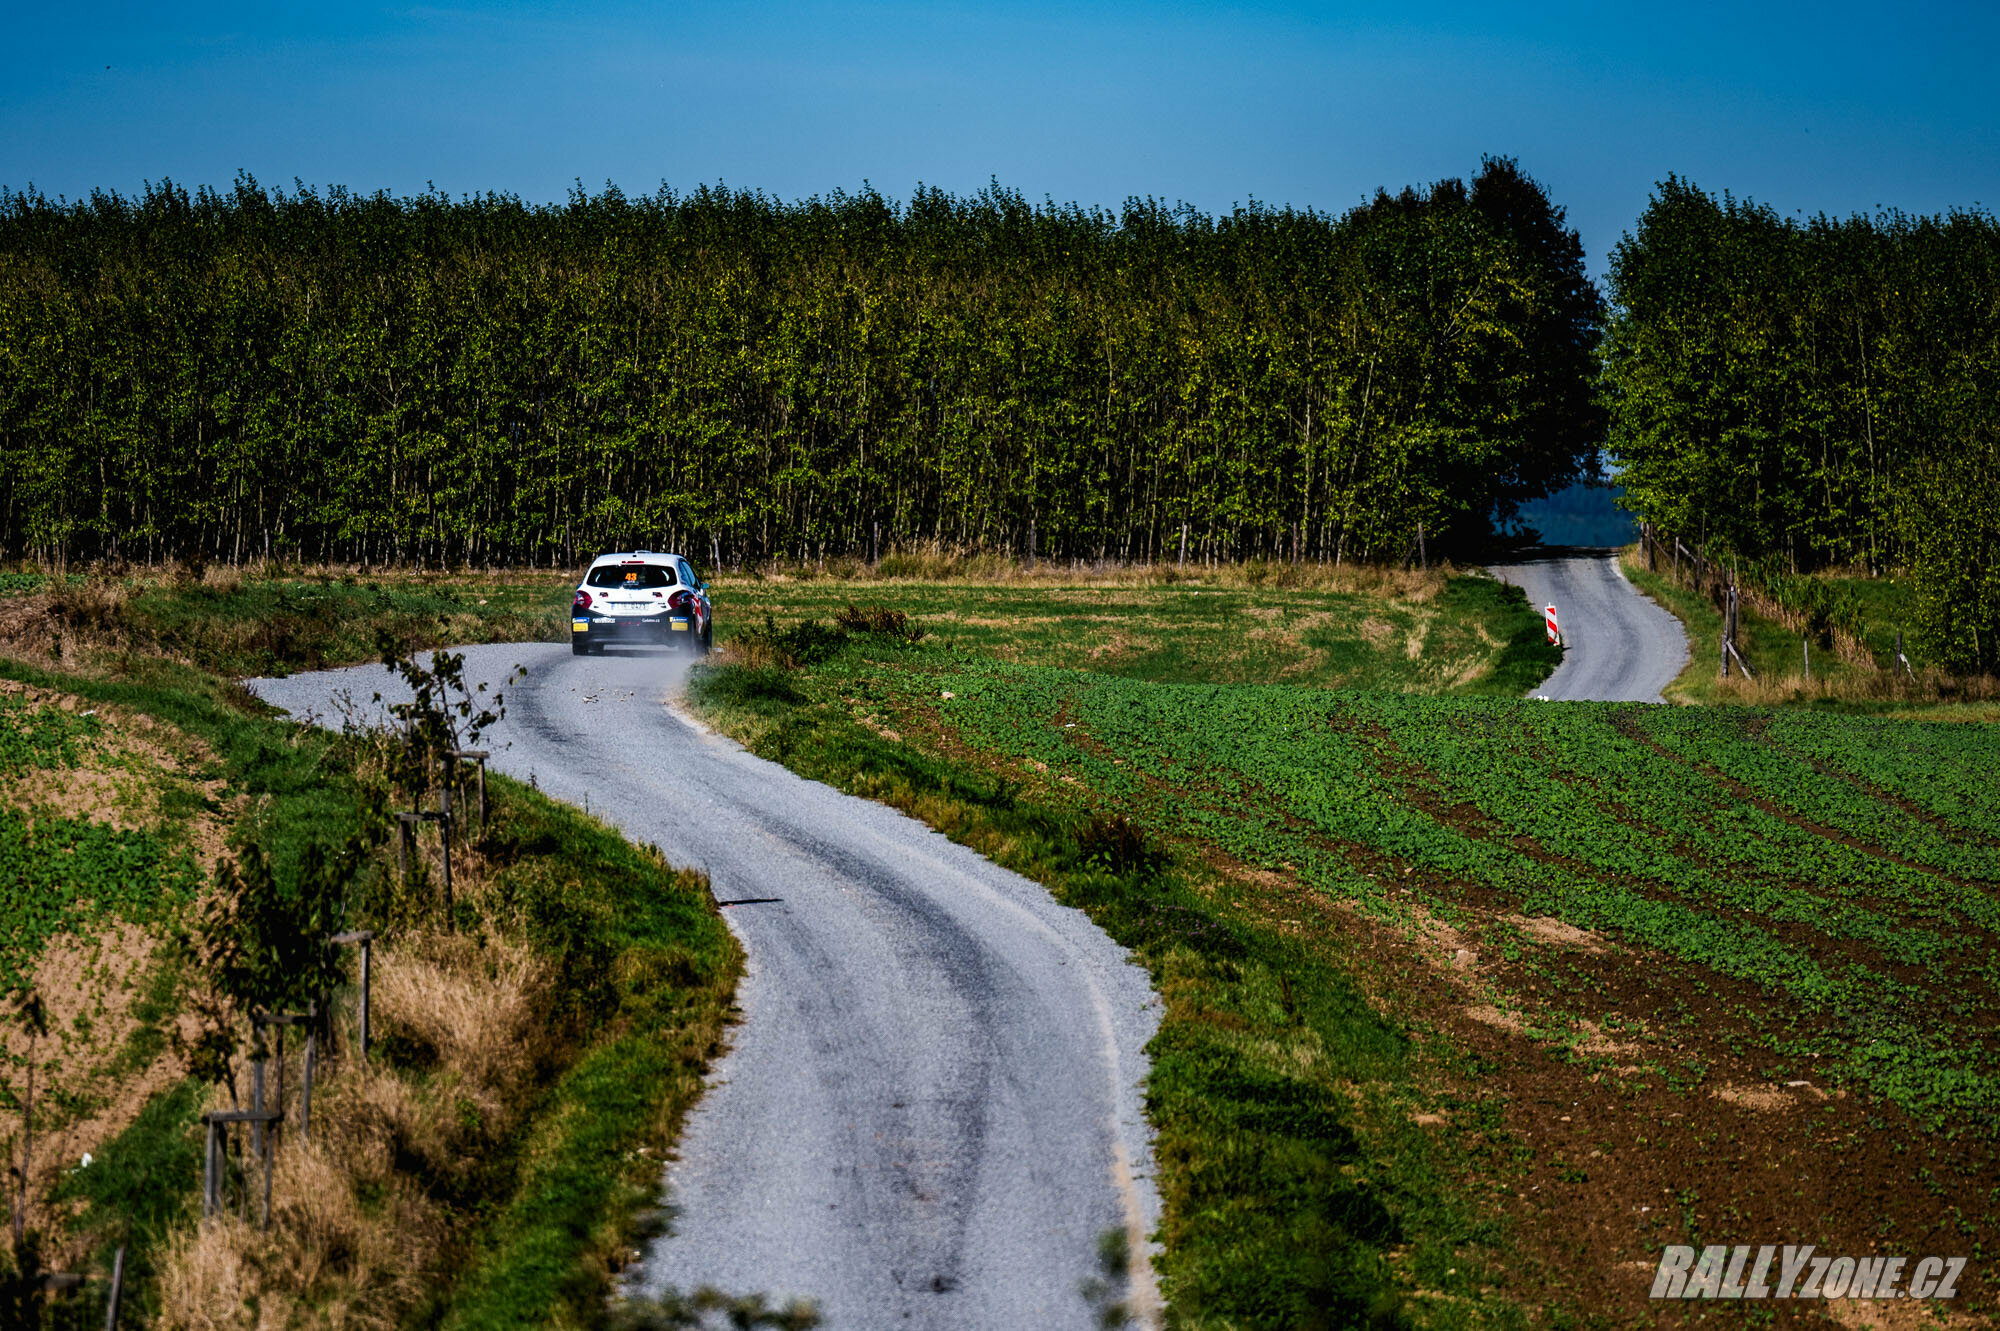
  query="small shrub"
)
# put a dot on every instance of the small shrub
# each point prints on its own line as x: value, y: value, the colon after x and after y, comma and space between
x: 879, y: 621
x: 1117, y: 845
x: 808, y: 644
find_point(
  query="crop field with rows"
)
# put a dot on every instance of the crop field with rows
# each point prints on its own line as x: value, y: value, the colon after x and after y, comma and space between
x: 1658, y: 974
x: 1845, y: 868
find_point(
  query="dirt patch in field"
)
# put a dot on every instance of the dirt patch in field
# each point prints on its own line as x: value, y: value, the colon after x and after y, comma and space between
x: 1488, y: 1015
x: 28, y: 628
x: 122, y: 775
x: 1552, y: 930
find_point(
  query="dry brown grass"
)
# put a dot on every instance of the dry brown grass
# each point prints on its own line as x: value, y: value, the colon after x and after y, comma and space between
x: 329, y: 1259
x: 1926, y: 691
x: 931, y: 565
x: 476, y: 1003
x: 354, y: 1242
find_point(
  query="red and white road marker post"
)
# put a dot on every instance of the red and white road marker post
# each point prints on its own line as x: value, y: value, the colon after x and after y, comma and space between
x: 1555, y: 634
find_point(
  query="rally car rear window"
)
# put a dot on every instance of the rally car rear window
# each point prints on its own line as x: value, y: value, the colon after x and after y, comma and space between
x: 631, y: 575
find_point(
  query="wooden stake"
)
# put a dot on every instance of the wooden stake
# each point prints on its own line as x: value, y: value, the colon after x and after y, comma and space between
x: 306, y: 1085
x: 117, y: 1290
x: 444, y: 829
x: 209, y: 1200
x: 260, y: 1141
x: 367, y: 949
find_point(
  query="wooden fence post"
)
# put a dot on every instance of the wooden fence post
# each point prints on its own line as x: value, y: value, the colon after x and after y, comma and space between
x: 478, y: 756
x: 210, y: 1201
x: 260, y: 1138
x: 444, y: 830
x: 406, y: 843
x: 365, y: 939
x: 117, y: 1290
x: 306, y: 1083
x: 1728, y: 609
x: 214, y: 1163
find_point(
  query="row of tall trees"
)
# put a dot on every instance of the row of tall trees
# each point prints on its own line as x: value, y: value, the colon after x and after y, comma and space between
x: 330, y: 375
x: 1823, y: 391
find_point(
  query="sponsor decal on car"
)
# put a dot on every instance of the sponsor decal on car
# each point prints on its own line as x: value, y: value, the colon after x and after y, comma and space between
x: 579, y: 626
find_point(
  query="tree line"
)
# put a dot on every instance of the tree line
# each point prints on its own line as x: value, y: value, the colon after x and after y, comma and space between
x: 1816, y: 393
x: 337, y: 376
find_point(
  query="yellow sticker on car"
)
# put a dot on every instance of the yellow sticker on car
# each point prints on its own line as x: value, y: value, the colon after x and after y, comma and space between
x: 680, y: 626
x: 579, y: 626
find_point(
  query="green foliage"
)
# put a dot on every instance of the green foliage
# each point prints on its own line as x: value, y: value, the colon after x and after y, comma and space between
x: 39, y: 738
x: 265, y: 947
x: 441, y: 717
x: 1818, y: 392
x: 273, y: 625
x: 64, y: 875
x: 675, y: 1311
x: 241, y: 375
x: 880, y: 620
x: 807, y: 643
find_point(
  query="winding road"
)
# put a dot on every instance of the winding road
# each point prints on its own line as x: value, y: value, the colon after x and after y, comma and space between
x: 1618, y: 644
x: 930, y: 1115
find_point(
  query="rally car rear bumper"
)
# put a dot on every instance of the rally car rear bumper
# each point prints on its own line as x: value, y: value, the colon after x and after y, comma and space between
x: 653, y: 629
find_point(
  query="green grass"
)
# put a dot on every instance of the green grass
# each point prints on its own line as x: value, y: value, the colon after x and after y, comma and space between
x: 1465, y: 633
x: 1774, y: 651
x: 1821, y: 888
x: 256, y: 625
x: 1292, y: 1197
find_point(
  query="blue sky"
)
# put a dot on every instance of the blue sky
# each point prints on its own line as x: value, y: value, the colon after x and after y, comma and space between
x: 1832, y: 107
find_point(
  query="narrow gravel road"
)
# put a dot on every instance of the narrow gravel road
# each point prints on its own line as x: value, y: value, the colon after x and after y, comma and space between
x: 930, y: 1114
x: 1618, y: 645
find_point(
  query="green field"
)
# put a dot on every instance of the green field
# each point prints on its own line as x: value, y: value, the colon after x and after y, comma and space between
x: 1761, y: 931
x: 1423, y: 633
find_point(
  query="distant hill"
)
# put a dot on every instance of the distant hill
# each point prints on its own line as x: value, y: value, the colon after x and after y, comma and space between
x: 1581, y: 515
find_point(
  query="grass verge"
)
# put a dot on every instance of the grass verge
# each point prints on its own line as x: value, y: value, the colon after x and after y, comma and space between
x: 1778, y: 653
x: 430, y: 1193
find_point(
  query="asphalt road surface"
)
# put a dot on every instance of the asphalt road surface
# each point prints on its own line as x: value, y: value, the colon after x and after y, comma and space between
x: 930, y: 1114
x: 1618, y: 645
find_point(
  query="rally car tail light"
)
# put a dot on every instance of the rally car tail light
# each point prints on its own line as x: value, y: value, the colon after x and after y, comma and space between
x: 582, y: 601
x: 681, y: 600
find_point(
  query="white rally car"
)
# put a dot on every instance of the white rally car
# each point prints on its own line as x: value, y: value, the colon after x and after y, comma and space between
x: 640, y: 597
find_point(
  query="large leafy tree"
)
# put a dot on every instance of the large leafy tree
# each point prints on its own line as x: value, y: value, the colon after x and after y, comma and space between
x: 1818, y: 392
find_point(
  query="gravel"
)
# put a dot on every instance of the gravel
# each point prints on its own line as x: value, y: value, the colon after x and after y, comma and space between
x: 930, y: 1114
